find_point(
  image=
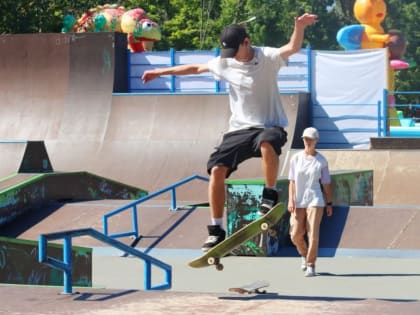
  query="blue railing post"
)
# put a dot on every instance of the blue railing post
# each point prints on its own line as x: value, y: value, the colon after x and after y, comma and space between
x: 135, y: 223
x: 217, y: 83
x: 385, y: 111
x: 379, y: 119
x: 309, y: 56
x: 105, y: 225
x: 42, y: 248
x: 129, y: 57
x: 172, y: 56
x: 173, y: 199
x: 147, y: 275
x: 68, y: 263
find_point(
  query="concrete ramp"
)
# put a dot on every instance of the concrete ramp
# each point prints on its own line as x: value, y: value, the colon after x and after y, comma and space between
x: 34, y: 84
x: 55, y: 85
x: 58, y: 88
x: 396, y: 173
x: 12, y: 154
x: 24, y: 193
x: 378, y: 229
x: 24, y: 157
x: 152, y: 141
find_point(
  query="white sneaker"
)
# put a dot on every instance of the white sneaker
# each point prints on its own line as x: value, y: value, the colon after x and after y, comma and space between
x: 310, y: 272
x: 303, y: 264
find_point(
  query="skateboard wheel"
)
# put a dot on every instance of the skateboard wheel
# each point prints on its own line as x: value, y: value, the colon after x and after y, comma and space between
x: 219, y: 267
x: 264, y: 226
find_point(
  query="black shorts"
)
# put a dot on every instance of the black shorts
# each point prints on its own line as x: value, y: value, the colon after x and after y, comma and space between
x: 238, y: 146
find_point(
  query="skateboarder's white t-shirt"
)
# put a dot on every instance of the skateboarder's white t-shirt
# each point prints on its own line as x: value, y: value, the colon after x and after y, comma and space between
x: 307, y: 171
x: 253, y: 92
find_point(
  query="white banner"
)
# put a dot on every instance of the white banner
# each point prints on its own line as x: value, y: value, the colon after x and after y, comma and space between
x: 346, y: 89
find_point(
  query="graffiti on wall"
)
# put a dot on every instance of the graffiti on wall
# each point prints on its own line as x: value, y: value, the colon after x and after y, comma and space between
x: 19, y: 264
x: 243, y: 199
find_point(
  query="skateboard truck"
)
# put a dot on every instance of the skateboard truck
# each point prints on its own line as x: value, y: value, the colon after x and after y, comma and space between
x: 215, y: 261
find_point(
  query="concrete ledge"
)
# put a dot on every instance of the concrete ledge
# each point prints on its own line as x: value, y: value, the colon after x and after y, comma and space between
x: 31, y: 192
x: 395, y: 143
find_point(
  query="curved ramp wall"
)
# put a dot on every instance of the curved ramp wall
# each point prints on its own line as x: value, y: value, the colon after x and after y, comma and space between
x: 58, y: 88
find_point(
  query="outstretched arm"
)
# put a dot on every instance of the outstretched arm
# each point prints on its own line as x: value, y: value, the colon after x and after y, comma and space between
x: 296, y: 40
x: 149, y: 75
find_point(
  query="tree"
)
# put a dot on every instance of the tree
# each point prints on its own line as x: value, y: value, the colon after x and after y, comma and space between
x: 196, y: 24
x: 403, y: 15
x: 33, y: 16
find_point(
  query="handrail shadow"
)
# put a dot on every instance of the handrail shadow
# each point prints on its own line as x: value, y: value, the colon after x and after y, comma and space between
x: 66, y: 264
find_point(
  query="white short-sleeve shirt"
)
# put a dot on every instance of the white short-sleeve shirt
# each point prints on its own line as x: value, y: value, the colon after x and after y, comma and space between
x: 253, y: 92
x: 307, y: 172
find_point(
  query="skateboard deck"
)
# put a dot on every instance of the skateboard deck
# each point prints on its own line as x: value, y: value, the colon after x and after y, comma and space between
x: 213, y: 255
x: 254, y: 287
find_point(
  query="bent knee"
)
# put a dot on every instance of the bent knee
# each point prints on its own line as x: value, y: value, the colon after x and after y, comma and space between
x: 219, y: 171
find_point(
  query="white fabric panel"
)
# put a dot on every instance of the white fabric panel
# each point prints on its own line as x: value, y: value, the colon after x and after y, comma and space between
x: 347, y: 86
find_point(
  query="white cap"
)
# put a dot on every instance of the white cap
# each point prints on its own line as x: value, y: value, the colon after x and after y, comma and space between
x: 310, y: 133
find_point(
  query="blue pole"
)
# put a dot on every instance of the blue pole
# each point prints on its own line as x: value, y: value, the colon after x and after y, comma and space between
x: 379, y: 119
x: 129, y: 70
x: 135, y: 224
x: 308, y: 54
x: 385, y: 115
x: 172, y: 56
x: 147, y: 275
x: 105, y: 224
x: 42, y: 252
x: 168, y: 277
x: 216, y: 54
x: 173, y: 199
x: 68, y: 264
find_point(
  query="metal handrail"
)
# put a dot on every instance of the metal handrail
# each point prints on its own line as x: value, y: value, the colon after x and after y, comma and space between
x: 66, y: 264
x: 383, y: 117
x: 133, y: 207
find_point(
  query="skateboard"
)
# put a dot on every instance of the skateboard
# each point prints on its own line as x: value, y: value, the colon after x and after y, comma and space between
x: 213, y: 255
x: 252, y: 288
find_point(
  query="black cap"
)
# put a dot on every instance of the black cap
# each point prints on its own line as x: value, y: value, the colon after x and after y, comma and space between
x: 232, y: 36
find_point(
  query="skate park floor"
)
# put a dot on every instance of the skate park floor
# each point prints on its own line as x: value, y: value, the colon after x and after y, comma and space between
x: 351, y: 282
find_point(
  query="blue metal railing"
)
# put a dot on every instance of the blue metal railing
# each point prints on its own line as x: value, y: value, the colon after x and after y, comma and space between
x: 297, y: 77
x: 345, y: 125
x: 384, y: 119
x: 133, y: 206
x: 383, y: 115
x: 66, y: 264
x: 309, y: 78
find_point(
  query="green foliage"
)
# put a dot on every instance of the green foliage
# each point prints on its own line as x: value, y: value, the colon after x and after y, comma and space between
x: 196, y: 24
x: 404, y: 16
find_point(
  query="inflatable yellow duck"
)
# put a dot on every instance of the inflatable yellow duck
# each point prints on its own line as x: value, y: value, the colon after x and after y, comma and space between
x: 370, y: 14
x: 369, y: 34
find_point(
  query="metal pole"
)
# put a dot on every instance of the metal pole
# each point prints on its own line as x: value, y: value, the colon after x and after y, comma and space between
x: 173, y: 199
x: 68, y: 264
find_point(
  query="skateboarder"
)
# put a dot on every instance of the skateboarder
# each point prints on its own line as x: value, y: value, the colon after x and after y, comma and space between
x: 308, y: 172
x: 258, y: 118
